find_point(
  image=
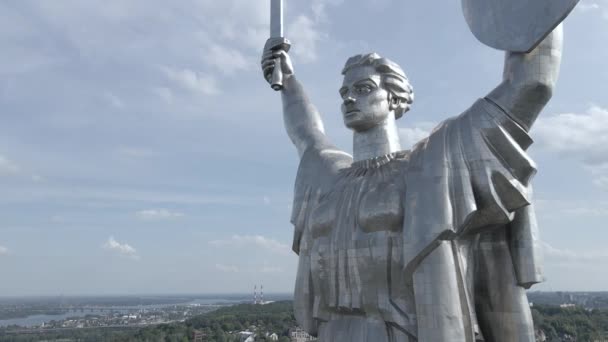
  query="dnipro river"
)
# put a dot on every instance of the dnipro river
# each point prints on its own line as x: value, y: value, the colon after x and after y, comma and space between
x: 36, y: 320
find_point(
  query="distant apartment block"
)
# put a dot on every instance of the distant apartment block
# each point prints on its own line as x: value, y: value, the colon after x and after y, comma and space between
x: 299, y: 335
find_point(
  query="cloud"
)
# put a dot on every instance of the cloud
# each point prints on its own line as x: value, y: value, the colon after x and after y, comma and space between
x: 411, y: 135
x: 601, y: 181
x: 3, y: 251
x: 558, y: 209
x: 114, y: 100
x: 588, y: 6
x: 582, y: 137
x: 239, y: 241
x: 193, y: 81
x: 226, y: 60
x: 8, y: 167
x: 303, y: 33
x: 122, y: 249
x: 271, y: 269
x: 319, y: 8
x: 554, y: 254
x: 164, y: 93
x: 157, y: 214
x: 308, y: 31
x: 593, y: 7
x: 227, y: 268
x: 589, y: 211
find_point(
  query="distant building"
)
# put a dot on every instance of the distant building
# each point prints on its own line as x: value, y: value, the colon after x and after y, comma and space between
x: 567, y: 305
x: 540, y: 335
x: 299, y: 335
x: 246, y: 336
x: 273, y: 337
x: 198, y: 336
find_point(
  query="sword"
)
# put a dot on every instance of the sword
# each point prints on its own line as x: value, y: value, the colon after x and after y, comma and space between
x: 277, y: 41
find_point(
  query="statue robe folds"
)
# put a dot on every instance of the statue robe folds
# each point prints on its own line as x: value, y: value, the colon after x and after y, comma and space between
x: 470, y: 176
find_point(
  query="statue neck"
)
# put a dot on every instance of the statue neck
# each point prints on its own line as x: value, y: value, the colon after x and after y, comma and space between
x: 378, y: 141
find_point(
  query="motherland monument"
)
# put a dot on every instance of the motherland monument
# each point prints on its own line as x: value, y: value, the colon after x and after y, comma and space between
x: 436, y: 243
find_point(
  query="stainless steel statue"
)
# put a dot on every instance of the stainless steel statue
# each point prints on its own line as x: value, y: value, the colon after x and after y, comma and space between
x: 437, y: 243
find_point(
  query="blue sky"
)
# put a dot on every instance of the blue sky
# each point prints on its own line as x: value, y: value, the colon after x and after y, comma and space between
x: 142, y: 152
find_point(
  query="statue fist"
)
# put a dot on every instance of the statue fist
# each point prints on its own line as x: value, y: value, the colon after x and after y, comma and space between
x: 275, y: 54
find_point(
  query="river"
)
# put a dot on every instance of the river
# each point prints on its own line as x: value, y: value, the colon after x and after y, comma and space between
x: 37, y: 320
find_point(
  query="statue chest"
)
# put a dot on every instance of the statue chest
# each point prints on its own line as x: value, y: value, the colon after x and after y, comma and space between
x: 356, y: 255
x: 361, y: 204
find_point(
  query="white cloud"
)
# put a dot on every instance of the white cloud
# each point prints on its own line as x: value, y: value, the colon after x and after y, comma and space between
x: 122, y: 249
x: 192, y: 81
x: 319, y: 8
x: 240, y: 241
x: 553, y: 254
x: 271, y: 269
x: 157, y: 214
x: 557, y: 209
x: 302, y: 31
x: 601, y: 181
x: 3, y: 251
x: 589, y: 212
x: 114, y: 100
x: 411, y: 135
x: 583, y: 137
x: 593, y: 7
x: 227, y: 268
x: 8, y: 167
x: 225, y: 59
x: 588, y: 6
x: 164, y: 93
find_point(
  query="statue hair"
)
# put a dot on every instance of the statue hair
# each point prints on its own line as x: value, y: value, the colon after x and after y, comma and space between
x: 393, y: 79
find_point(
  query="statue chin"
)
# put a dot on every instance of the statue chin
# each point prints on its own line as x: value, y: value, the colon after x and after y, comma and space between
x: 362, y: 122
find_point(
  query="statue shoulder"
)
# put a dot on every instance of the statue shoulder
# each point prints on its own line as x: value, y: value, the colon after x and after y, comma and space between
x: 320, y: 164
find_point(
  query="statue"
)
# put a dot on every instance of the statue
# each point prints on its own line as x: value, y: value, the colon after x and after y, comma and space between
x: 436, y: 243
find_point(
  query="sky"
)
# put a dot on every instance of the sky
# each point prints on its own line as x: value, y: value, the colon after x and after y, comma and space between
x: 142, y: 152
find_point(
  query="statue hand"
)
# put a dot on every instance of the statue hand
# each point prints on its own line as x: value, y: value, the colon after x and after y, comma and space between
x: 276, y: 52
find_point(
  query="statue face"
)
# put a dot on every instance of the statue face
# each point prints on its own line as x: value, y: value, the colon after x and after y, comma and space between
x: 365, y: 103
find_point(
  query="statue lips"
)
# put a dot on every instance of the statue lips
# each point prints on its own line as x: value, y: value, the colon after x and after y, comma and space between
x: 351, y: 112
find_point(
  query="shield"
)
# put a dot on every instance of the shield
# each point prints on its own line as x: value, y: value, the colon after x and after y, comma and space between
x: 514, y: 25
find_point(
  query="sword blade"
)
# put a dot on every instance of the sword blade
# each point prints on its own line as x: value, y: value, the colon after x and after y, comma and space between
x: 276, y: 18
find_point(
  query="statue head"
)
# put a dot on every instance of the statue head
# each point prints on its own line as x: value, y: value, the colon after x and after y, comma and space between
x: 374, y: 88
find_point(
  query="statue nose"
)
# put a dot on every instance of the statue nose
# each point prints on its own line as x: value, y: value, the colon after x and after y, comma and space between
x: 349, y: 100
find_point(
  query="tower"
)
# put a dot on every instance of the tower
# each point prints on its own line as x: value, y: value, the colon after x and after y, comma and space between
x: 261, y: 294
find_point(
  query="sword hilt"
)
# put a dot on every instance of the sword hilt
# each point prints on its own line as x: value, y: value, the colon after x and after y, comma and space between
x: 276, y: 44
x: 276, y: 82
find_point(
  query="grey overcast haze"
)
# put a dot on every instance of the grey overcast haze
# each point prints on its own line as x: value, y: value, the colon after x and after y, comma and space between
x: 142, y: 152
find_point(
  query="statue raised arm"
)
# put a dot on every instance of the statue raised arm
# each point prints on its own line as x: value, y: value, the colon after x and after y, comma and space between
x: 529, y: 79
x: 302, y: 119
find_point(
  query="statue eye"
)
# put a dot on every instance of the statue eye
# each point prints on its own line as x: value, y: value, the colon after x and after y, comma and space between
x: 363, y: 89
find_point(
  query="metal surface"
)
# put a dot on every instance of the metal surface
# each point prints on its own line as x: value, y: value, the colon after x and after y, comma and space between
x: 514, y: 25
x: 276, y: 31
x: 276, y: 18
x: 437, y: 243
